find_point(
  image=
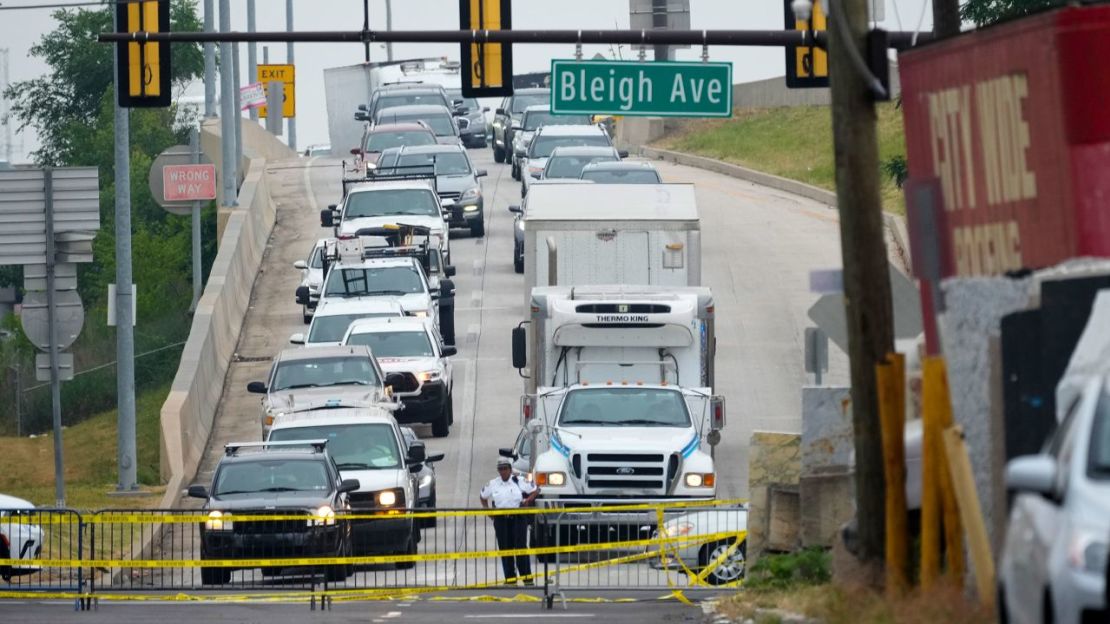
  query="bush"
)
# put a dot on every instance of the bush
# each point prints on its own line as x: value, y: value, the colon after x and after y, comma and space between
x: 806, y: 567
x: 896, y: 169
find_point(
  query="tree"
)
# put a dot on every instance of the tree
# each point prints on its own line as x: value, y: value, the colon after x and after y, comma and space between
x: 61, y: 104
x: 986, y: 12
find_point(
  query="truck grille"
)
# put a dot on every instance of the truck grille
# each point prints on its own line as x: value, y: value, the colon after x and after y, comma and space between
x: 642, y: 471
x: 449, y: 195
x: 269, y: 527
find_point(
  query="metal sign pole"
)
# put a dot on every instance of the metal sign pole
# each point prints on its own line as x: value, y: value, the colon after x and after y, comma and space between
x: 209, y: 61
x: 252, y: 54
x: 228, y: 165
x: 198, y: 285
x: 238, y: 108
x: 52, y: 325
x: 291, y: 128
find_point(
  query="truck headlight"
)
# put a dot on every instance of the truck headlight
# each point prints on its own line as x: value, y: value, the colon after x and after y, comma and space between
x: 386, y: 498
x: 426, y: 376
x: 419, y: 313
x: 217, y: 522
x: 324, y: 516
x: 555, y: 479
x: 675, y: 530
x: 700, y: 479
x: 471, y: 193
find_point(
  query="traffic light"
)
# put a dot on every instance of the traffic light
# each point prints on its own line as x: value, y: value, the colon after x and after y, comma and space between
x: 806, y: 66
x: 489, y: 66
x: 144, y: 67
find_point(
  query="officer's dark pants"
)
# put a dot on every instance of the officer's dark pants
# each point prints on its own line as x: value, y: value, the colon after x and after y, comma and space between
x: 512, y: 533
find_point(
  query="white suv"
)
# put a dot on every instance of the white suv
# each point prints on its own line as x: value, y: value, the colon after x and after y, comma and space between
x: 412, y: 347
x: 334, y: 316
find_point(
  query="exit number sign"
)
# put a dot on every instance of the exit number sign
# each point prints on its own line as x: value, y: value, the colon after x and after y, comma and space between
x: 648, y: 89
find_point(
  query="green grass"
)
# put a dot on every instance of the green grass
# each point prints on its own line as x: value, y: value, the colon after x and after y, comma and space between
x: 27, y: 464
x: 794, y: 143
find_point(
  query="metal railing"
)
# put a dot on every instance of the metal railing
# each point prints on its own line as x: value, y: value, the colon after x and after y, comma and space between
x: 116, y: 553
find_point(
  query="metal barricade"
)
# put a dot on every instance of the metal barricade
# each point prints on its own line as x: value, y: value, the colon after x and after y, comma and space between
x: 32, y: 539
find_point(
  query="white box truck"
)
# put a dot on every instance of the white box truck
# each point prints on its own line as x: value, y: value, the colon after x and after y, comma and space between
x: 611, y: 234
x: 620, y: 407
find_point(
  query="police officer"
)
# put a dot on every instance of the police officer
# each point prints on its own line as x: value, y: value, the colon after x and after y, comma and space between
x: 507, y: 491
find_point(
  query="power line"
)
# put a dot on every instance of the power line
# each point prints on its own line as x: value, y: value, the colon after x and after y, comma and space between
x: 27, y: 7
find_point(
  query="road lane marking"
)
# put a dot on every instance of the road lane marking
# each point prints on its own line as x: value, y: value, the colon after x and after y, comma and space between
x: 526, y: 616
x: 476, y: 299
x: 477, y: 269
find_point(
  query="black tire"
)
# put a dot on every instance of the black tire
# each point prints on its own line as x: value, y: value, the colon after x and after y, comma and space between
x: 442, y: 425
x: 1048, y: 614
x: 447, y: 324
x: 518, y: 263
x: 215, y: 576
x: 428, y: 523
x: 1003, y: 614
x: 478, y: 226
x: 305, y: 316
x: 498, y: 154
x: 409, y: 550
x: 732, y: 569
x: 516, y: 171
x: 339, y: 573
x: 450, y: 413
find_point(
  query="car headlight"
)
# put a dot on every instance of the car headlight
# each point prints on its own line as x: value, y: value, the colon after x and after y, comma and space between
x: 426, y: 480
x: 430, y: 375
x: 471, y: 193
x: 700, y: 479
x: 218, y: 522
x: 520, y: 225
x: 675, y: 530
x: 419, y: 313
x: 555, y: 479
x: 386, y: 498
x: 324, y: 516
x: 1088, y: 551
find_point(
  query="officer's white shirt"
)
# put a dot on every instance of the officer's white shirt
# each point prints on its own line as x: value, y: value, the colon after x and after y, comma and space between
x: 507, y: 494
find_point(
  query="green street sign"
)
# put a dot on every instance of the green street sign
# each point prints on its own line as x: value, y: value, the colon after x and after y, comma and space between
x: 646, y: 89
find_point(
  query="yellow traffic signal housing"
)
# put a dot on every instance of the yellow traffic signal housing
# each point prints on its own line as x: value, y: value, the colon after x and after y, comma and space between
x: 487, y: 67
x: 144, y: 67
x: 806, y: 66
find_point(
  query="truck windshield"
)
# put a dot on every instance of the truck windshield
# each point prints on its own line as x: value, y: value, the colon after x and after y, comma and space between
x: 542, y: 146
x: 409, y: 99
x: 294, y: 374
x: 535, y: 119
x: 392, y: 202
x: 354, y: 447
x: 633, y: 407
x: 272, y: 475
x: 387, y: 280
x: 395, y: 344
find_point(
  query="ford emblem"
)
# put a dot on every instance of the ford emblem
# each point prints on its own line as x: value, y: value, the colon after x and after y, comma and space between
x: 626, y: 471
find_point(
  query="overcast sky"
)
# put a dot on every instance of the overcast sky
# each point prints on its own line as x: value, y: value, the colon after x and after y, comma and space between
x: 19, y: 30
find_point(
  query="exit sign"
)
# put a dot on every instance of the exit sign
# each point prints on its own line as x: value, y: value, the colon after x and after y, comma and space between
x: 648, y: 89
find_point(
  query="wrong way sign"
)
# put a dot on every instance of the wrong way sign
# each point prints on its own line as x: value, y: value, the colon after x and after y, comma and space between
x: 188, y: 182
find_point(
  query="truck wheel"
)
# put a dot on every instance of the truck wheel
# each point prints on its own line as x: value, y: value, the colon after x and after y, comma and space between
x: 498, y: 154
x: 442, y: 426
x: 410, y: 549
x: 451, y: 408
x: 215, y: 576
x: 428, y: 523
x: 731, y: 569
x: 518, y: 263
x: 516, y: 171
x: 478, y: 226
x: 339, y: 573
x: 447, y: 324
x: 305, y: 316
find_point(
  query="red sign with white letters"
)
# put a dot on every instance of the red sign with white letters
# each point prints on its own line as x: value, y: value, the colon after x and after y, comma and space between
x: 183, y: 183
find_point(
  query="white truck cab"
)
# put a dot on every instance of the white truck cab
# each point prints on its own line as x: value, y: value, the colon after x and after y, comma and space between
x: 381, y: 200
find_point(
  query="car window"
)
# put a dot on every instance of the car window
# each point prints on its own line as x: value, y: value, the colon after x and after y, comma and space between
x: 571, y: 166
x: 1098, y: 463
x: 639, y: 407
x: 293, y: 374
x: 333, y: 327
x: 522, y: 102
x: 395, y: 344
x: 446, y: 163
x: 622, y: 176
x: 535, y: 119
x: 374, y: 281
x: 542, y: 146
x: 353, y: 447
x: 1060, y: 436
x: 317, y: 259
x: 440, y: 123
x: 406, y: 99
x: 379, y: 141
x: 391, y: 202
x: 272, y: 475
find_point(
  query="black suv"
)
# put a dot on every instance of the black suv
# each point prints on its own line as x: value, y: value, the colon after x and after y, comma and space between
x: 280, y: 478
x: 511, y: 110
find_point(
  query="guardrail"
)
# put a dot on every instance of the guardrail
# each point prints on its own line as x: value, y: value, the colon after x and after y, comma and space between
x: 279, y: 556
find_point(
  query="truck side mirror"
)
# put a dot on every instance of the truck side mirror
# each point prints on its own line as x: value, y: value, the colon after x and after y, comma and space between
x: 300, y: 264
x: 500, y: 111
x: 506, y: 452
x: 327, y: 218
x: 417, y: 453
x: 401, y: 382
x: 198, y: 491
x: 450, y: 350
x: 449, y: 270
x: 623, y: 153
x: 717, y: 411
x: 520, y: 347
x: 515, y: 209
x: 302, y: 295
x: 446, y: 288
x: 297, y: 339
x: 256, y: 387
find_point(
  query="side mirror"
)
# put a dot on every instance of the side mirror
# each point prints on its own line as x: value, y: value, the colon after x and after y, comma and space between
x: 356, y: 151
x: 327, y: 218
x: 446, y: 288
x: 485, y: 109
x: 717, y: 410
x: 302, y: 295
x: 256, y: 387
x: 296, y: 339
x: 514, y: 208
x: 536, y: 174
x: 506, y: 452
x: 623, y: 153
x: 481, y: 173
x: 1032, y: 473
x: 499, y: 111
x: 400, y: 382
x: 449, y: 270
x: 431, y: 459
x: 362, y: 107
x: 520, y: 347
x: 360, y: 116
x: 198, y: 491
x: 349, y: 485
x: 417, y: 453
x: 300, y: 264
x: 450, y: 350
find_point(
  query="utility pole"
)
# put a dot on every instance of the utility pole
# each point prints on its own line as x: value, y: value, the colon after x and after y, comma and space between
x: 252, y: 54
x: 228, y: 167
x: 388, y: 27
x: 209, y: 61
x: 867, y: 296
x: 366, y: 26
x: 5, y: 108
x: 946, y: 18
x: 125, y: 330
x: 291, y: 125
x: 238, y: 108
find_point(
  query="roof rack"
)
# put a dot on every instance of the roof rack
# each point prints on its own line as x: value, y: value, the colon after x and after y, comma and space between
x: 401, y: 240
x: 403, y: 173
x: 232, y: 449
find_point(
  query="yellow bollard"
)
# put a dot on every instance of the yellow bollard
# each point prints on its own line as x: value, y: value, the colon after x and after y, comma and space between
x: 932, y: 391
x: 963, y: 482
x: 891, y: 377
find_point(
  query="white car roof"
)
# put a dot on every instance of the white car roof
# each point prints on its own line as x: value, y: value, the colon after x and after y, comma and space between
x: 12, y: 502
x: 570, y: 130
x: 400, y: 323
x: 390, y: 185
x: 351, y: 305
x: 293, y: 354
x: 334, y: 416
